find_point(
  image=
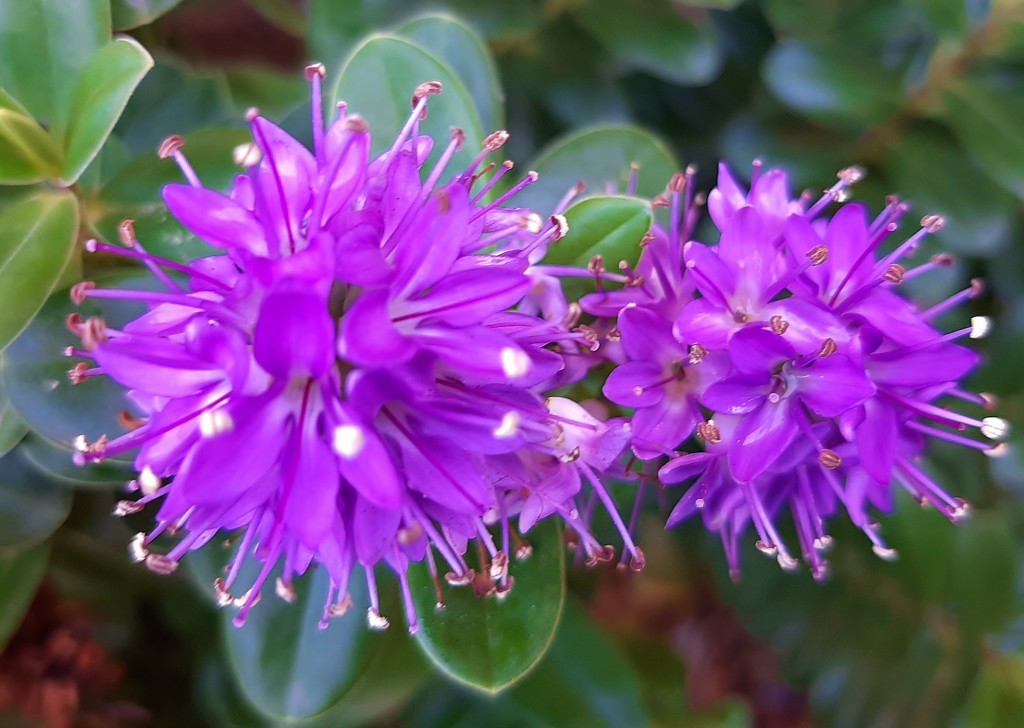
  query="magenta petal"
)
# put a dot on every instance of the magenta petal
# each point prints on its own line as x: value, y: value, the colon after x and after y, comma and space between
x: 373, y: 530
x: 366, y: 463
x: 894, y: 316
x: 368, y: 337
x: 312, y: 507
x: 726, y: 197
x: 646, y: 336
x: 469, y: 297
x: 876, y: 439
x: 429, y: 246
x: 736, y: 395
x: 705, y: 323
x: 847, y: 238
x: 685, y: 467
x: 810, y: 324
x: 346, y: 174
x: 758, y: 351
x: 748, y: 253
x: 161, y: 367
x: 922, y: 367
x: 285, y: 181
x: 216, y: 219
x: 760, y: 438
x: 294, y: 333
x: 660, y: 428
x: 832, y: 385
x: 635, y: 384
x: 710, y: 274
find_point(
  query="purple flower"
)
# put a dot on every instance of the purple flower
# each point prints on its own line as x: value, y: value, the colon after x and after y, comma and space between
x: 357, y: 377
x: 812, y: 383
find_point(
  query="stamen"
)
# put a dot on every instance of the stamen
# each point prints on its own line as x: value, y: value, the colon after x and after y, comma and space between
x: 171, y: 147
x: 348, y: 441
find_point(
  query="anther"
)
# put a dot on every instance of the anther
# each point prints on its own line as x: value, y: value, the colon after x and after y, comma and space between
x: 894, y: 273
x: 989, y: 401
x: 766, y: 547
x: 977, y: 287
x: 571, y: 456
x: 356, y: 124
x: 933, y: 223
x: 677, y: 183
x: 314, y: 70
x: 995, y: 428
x: 943, y: 259
x: 462, y: 579
x: 338, y: 609
x: 73, y: 323
x: 284, y: 590
x: 638, y: 561
x: 502, y: 590
x: 220, y: 589
x: 129, y: 421
x: 251, y: 114
x: 561, y: 226
x: 514, y: 362
x: 126, y: 508
x: 126, y: 233
x: 884, y: 552
x: 999, y: 451
x: 709, y: 432
x: 851, y: 175
x: 215, y: 422
x: 778, y: 324
x: 830, y: 459
x: 614, y: 334
x: 818, y: 254
x: 77, y: 373
x: 160, y: 564
x: 509, y: 426
x: 93, y: 332
x: 410, y: 534
x: 828, y: 348
x: 376, y: 620
x: 981, y: 326
x: 499, y: 565
x: 458, y: 136
x: 961, y: 510
x: 596, y: 265
x: 137, y: 548
x: 80, y: 291
x: 169, y: 146
x: 660, y: 201
x: 787, y: 562
x: 696, y: 353
x: 246, y: 155
x: 348, y: 441
x: 149, y: 482
x: 496, y: 140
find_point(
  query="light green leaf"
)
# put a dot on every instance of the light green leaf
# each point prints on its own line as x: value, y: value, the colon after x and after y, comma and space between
x: 378, y: 80
x: 100, y: 95
x: 31, y: 505
x: 12, y: 429
x: 27, y: 153
x: 20, y: 574
x: 128, y: 14
x: 44, y: 44
x: 489, y: 643
x: 37, y: 237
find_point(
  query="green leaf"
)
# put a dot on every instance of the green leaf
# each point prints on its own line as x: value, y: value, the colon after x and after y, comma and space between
x: 127, y: 14
x: 378, y: 80
x: 653, y: 36
x: 12, y: 429
x: 288, y: 667
x: 601, y: 156
x: 285, y: 14
x: 31, y: 505
x: 457, y: 45
x: 486, y: 643
x: 998, y: 695
x: 987, y: 119
x: 611, y: 227
x: 984, y: 574
x: 584, y: 680
x: 20, y: 574
x: 43, y: 46
x: 102, y: 92
x: 27, y: 153
x: 37, y: 236
x: 56, y: 463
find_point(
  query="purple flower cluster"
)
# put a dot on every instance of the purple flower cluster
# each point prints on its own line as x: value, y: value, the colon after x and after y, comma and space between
x: 788, y: 351
x: 358, y: 378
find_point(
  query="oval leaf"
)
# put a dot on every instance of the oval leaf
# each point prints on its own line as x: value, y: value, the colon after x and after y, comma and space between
x: 486, y: 643
x: 31, y: 505
x: 602, y: 157
x: 378, y: 80
x: 102, y: 92
x: 286, y: 666
x: 20, y: 574
x: 133, y: 13
x: 37, y: 236
x: 27, y: 153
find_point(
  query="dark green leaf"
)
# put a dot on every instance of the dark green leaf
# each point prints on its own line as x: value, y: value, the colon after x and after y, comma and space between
x: 584, y: 680
x: 128, y: 14
x: 455, y: 43
x: 101, y: 93
x: 611, y: 227
x: 288, y: 667
x: 600, y: 156
x: 20, y: 574
x: 984, y: 574
x: 275, y: 94
x: 486, y: 643
x: 57, y: 464
x: 27, y: 153
x: 285, y: 14
x: 378, y: 80
x: 36, y: 240
x: 998, y: 695
x: 43, y: 46
x: 655, y: 37
x: 12, y: 429
x: 32, y: 506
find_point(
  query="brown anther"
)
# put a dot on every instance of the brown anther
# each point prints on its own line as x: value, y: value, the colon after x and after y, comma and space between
x: 571, y: 456
x: 444, y: 202
x: 677, y: 183
x: 127, y: 507
x: 638, y: 561
x: 499, y: 565
x: 430, y: 88
x: 169, y: 146
x: 709, y: 432
x: 458, y: 136
x: 778, y: 324
x: 129, y: 421
x: 596, y: 265
x: 80, y: 291
x: 933, y: 223
x: 496, y: 140
x: 160, y: 564
x: 73, y: 323
x: 841, y: 195
x: 818, y: 254
x: 894, y: 273
x: 460, y: 579
x: 483, y: 585
x: 606, y: 554
x: 613, y: 334
x: 828, y: 348
x: 338, y: 609
x: 561, y: 226
x: 647, y: 239
x: 943, y: 259
x: 977, y: 287
x: 220, y: 589
x: 126, y: 232
x: 410, y: 534
x: 573, y: 314
x: 830, y: 459
x: 251, y: 114
x: 700, y: 199
x: 315, y: 70
x: 523, y: 551
x: 356, y: 124
x: 94, y: 332
x: 98, y: 447
x: 851, y: 175
x: 77, y: 373
x: 696, y: 353
x: 660, y: 201
x: 571, y: 538
x: 284, y: 590
x: 502, y: 590
x: 892, y: 200
x: 579, y: 188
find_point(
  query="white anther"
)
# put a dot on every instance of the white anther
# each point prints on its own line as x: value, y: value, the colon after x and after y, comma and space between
x: 376, y: 620
x: 349, y: 440
x: 246, y: 155
x: 137, y: 548
x: 884, y: 553
x: 995, y: 428
x: 509, y: 426
x: 148, y: 481
x: 981, y: 326
x: 284, y: 590
x: 514, y: 362
x: 215, y: 422
x: 80, y: 444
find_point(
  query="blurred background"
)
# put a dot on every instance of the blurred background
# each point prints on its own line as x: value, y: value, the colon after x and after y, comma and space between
x: 927, y: 95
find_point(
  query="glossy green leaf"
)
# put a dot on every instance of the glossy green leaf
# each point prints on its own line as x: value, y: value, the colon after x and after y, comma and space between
x: 610, y: 226
x: 28, y: 153
x: 286, y: 666
x: 20, y: 574
x: 489, y: 643
x: 602, y: 157
x: 987, y: 119
x: 655, y: 37
x: 128, y: 14
x: 12, y: 429
x: 984, y: 574
x: 457, y: 45
x: 37, y: 237
x: 56, y: 463
x: 379, y: 78
x: 32, y: 506
x: 585, y: 679
x: 44, y: 44
x: 102, y: 92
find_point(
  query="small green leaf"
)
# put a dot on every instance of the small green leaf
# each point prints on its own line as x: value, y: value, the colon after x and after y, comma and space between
x: 31, y: 505
x: 584, y: 680
x: 44, y: 44
x: 486, y: 643
x: 20, y: 574
x: 653, y: 36
x: 611, y: 227
x: 457, y: 45
x: 602, y: 157
x: 37, y: 236
x: 286, y: 666
x: 378, y: 80
x: 127, y: 14
x: 102, y: 92
x: 27, y: 153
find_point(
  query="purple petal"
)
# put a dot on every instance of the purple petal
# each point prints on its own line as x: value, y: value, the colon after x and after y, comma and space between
x: 469, y: 297
x: 347, y: 171
x: 368, y: 337
x: 726, y: 197
x: 736, y: 395
x: 922, y: 367
x: 747, y: 251
x: 429, y: 246
x: 760, y: 438
x: 685, y: 467
x: 660, y: 428
x: 160, y: 367
x: 373, y: 530
x: 294, y: 333
x: 311, y: 508
x: 364, y: 460
x: 713, y: 278
x: 703, y: 322
x: 809, y: 324
x: 630, y: 384
x: 216, y: 219
x: 876, y: 439
x: 285, y: 181
x: 646, y: 336
x: 758, y: 351
x: 832, y: 385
